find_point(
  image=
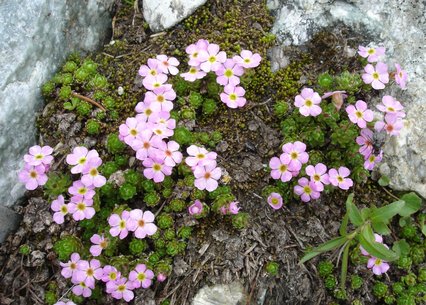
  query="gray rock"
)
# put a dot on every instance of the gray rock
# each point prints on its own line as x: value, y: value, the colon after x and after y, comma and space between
x: 8, y: 221
x: 229, y: 294
x: 37, y: 35
x: 162, y: 15
x: 400, y: 26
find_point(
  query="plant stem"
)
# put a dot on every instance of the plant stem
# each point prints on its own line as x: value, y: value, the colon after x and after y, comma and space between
x: 89, y: 100
x: 344, y: 271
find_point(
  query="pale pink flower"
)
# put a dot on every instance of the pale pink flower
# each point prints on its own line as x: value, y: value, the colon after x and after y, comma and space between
x: 365, y: 140
x: 60, y: 208
x: 233, y: 97
x: 376, y: 76
x: 233, y: 207
x: 206, y: 177
x: 69, y: 269
x: 146, y: 144
x: 161, y: 124
x: 308, y: 102
x: 144, y: 110
x: 89, y: 271
x: 160, y: 99
x: 79, y: 157
x: 275, y: 201
x: 247, y: 59
x: 39, y: 155
x: 212, y: 58
x: 279, y: 168
x: 372, y: 54
x: 151, y: 69
x: 400, y: 76
x: 81, y: 209
x: 130, y: 130
x: 199, y: 156
x: 161, y: 277
x: 120, y: 226
x: 359, y: 114
x: 377, y: 265
x: 337, y: 98
x: 339, y: 178
x: 79, y: 189
x: 91, y: 175
x: 33, y: 176
x: 99, y: 244
x: 156, y: 169
x: 193, y: 74
x: 151, y: 82
x: 318, y: 175
x: 193, y: 51
x: 372, y: 160
x: 141, y: 276
x: 144, y: 223
x: 170, y: 153
x: 391, y: 107
x: 223, y: 210
x: 64, y: 303
x: 121, y: 289
x: 229, y: 73
x: 82, y: 289
x: 167, y: 64
x: 196, y: 208
x: 392, y: 125
x: 306, y: 190
x: 294, y: 155
x: 110, y: 274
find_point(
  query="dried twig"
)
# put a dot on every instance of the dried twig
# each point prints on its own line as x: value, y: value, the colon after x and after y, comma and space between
x: 89, y: 100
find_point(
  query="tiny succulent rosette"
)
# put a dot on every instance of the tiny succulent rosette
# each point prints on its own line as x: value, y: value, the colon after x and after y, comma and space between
x: 275, y: 200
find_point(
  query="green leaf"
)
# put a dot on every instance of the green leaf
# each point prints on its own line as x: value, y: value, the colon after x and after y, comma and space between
x: 412, y: 204
x: 344, y: 271
x: 344, y: 225
x: 384, y: 181
x: 327, y: 246
x: 384, y: 214
x: 353, y: 212
x: 365, y: 213
x: 68, y: 106
x: 401, y: 247
x: 424, y: 229
x: 403, y: 221
x: 374, y: 248
x: 381, y: 228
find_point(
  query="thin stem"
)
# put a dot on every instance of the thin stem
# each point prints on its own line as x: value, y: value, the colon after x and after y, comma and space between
x: 344, y: 271
x: 389, y: 193
x: 89, y: 100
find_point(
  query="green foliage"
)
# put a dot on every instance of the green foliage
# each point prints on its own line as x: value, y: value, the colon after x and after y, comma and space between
x: 137, y: 246
x: 325, y: 81
x: 182, y: 135
x: 330, y: 282
x: 93, y: 127
x: 165, y: 221
x: 83, y: 108
x: 184, y: 232
x: 356, y: 282
x: 380, y: 289
x: 209, y: 107
x: 50, y: 297
x: 240, y: 220
x: 69, y: 66
x: 422, y: 275
x: 173, y: 248
x: 280, y: 108
x: 404, y: 262
x: 114, y: 145
x: 66, y: 246
x: 151, y: 199
x: 272, y: 268
x: 398, y: 288
x: 177, y: 205
x: 24, y: 249
x: 187, y: 113
x: 127, y: 191
x: 169, y: 234
x: 340, y: 294
x: 57, y: 184
x: 109, y: 168
x: 195, y: 99
x: 48, y: 88
x: 65, y: 92
x: 325, y: 268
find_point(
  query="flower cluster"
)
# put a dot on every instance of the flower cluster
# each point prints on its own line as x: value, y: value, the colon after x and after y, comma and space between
x: 204, y: 166
x: 137, y: 221
x: 84, y: 274
x: 205, y: 57
x: 37, y: 164
x: 378, y: 266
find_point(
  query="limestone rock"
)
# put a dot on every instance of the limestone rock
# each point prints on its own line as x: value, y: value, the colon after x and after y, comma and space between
x: 229, y: 294
x: 162, y: 15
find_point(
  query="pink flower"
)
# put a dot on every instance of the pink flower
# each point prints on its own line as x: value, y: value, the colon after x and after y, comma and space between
x: 120, y: 226
x: 193, y: 51
x: 131, y: 129
x: 79, y: 189
x: 377, y: 265
x: 151, y: 82
x: 121, y: 289
x: 306, y: 190
x: 338, y: 178
x: 99, y: 244
x: 295, y: 155
x: 275, y: 201
x: 372, y: 54
x: 337, y: 98
x: 146, y: 144
x: 248, y: 59
x: 61, y: 209
x: 111, y: 274
x: 224, y: 210
x: 33, y: 176
x: 79, y: 157
x: 167, y: 64
x: 229, y: 73
x: 145, y: 110
x: 359, y: 114
x: 156, y: 169
x: 143, y: 221
x: 81, y: 209
x: 308, y: 102
x: 82, y: 289
x: 392, y: 125
x: 196, y: 208
x: 233, y: 97
x: 193, y: 74
x: 39, y: 155
x: 199, y: 156
x: 152, y: 69
x: 91, y: 175
x: 141, y: 276
x: 318, y: 175
x: 70, y: 268
x: 161, y: 124
x: 372, y: 160
x: 376, y: 76
x: 169, y: 152
x: 63, y: 303
x: 279, y: 168
x: 89, y: 271
x: 206, y: 177
x: 400, y: 76
x: 391, y: 107
x: 211, y: 59
x: 160, y: 99
x: 233, y: 207
x: 366, y: 141
x: 161, y: 277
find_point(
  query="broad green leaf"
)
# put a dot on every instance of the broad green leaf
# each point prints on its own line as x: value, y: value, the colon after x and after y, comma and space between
x: 381, y: 228
x: 344, y: 271
x: 365, y: 213
x: 327, y: 246
x: 384, y: 181
x: 353, y: 212
x: 424, y: 229
x: 384, y: 214
x: 374, y: 248
x: 412, y: 204
x: 401, y: 247
x: 344, y: 225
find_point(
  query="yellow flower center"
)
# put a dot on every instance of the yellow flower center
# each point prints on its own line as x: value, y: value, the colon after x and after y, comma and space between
x: 160, y: 98
x: 33, y: 174
x: 81, y: 206
x: 192, y: 70
x: 121, y: 288
x: 113, y: 276
x: 233, y: 97
x: 122, y: 224
x: 141, y: 223
x: 307, y: 189
x: 283, y: 168
x: 274, y: 201
x: 103, y: 244
x: 294, y: 155
x: 228, y: 73
x: 153, y: 72
x: 93, y: 172
x: 141, y: 276
x: 317, y: 177
x: 148, y: 112
x: 308, y: 103
x: 246, y: 60
x: 73, y: 266
x: 156, y: 85
x: 212, y: 59
x: 200, y: 156
x: 82, y: 160
x: 378, y: 262
x: 371, y: 51
x: 82, y: 190
x: 195, y: 54
x: 391, y: 109
x: 157, y: 167
x: 358, y: 114
x: 90, y: 272
x: 340, y: 178
x: 133, y: 132
x: 375, y: 75
x: 207, y: 175
x: 39, y: 156
x: 64, y: 209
